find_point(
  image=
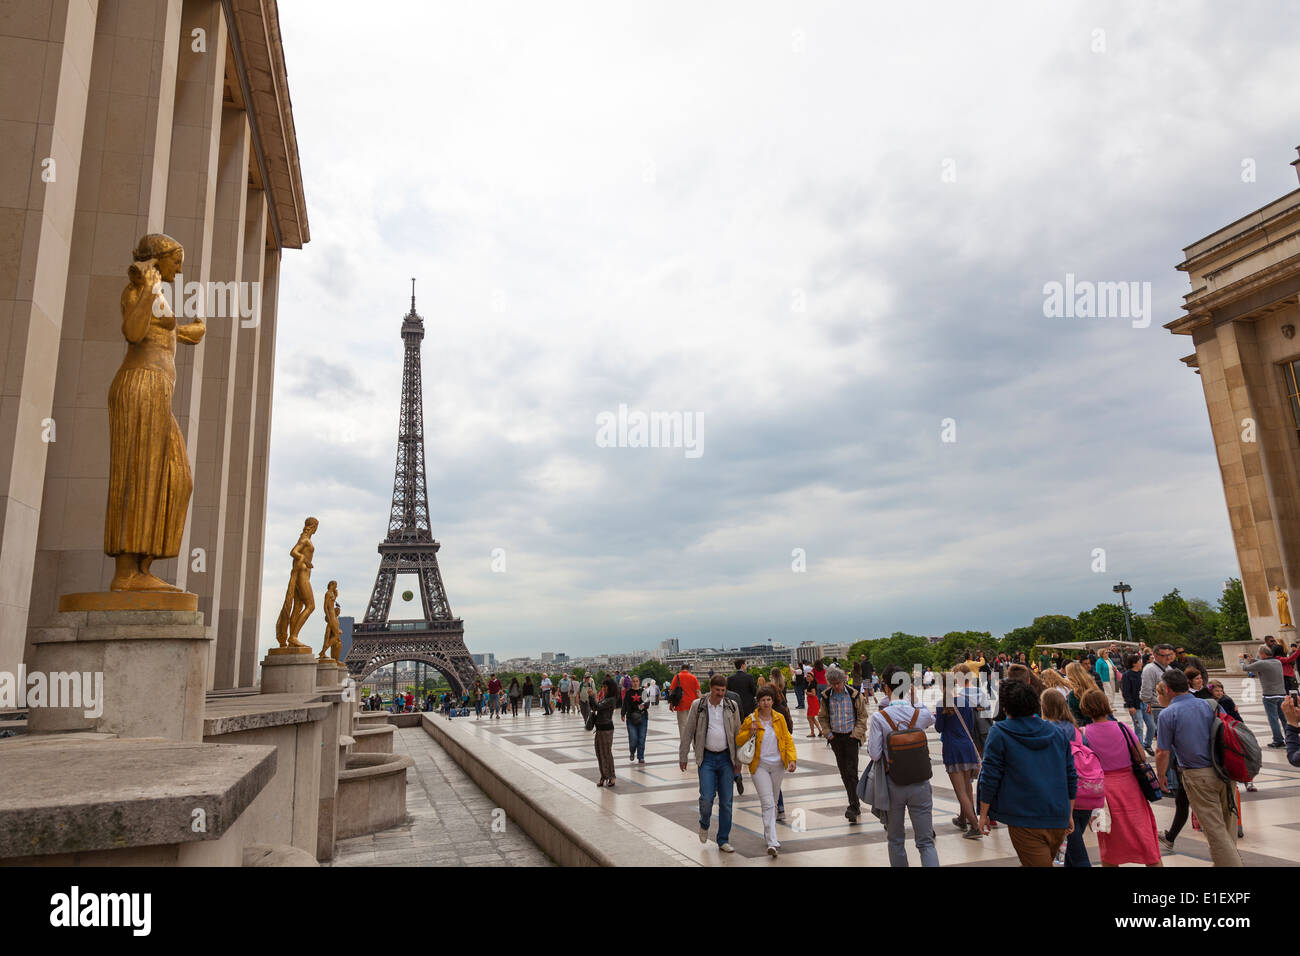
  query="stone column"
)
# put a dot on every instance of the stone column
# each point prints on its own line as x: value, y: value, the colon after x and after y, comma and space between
x: 230, y: 618
x: 211, y: 461
x: 1237, y: 400
x: 191, y: 208
x: 46, y: 47
x: 257, y: 486
x: 121, y: 195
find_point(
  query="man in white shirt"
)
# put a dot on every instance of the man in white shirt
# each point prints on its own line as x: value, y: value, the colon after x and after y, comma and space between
x: 546, y: 694
x: 712, y: 724
x: 889, y: 798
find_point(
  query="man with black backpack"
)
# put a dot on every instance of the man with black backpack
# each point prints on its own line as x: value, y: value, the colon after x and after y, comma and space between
x: 682, y: 692
x: 900, y: 751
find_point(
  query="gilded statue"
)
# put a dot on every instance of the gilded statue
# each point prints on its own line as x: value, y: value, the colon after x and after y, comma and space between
x: 333, y: 643
x: 149, y: 479
x: 299, y: 602
x: 1283, y: 607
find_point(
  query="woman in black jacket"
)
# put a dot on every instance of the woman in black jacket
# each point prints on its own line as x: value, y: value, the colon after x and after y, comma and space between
x: 1130, y: 686
x: 528, y: 695
x: 606, y: 703
x: 637, y: 721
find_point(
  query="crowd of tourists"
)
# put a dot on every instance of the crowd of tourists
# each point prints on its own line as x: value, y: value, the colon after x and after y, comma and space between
x: 1037, y: 745
x: 1048, y: 758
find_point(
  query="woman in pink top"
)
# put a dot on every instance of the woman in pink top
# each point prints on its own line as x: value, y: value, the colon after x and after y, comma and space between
x: 1132, y: 837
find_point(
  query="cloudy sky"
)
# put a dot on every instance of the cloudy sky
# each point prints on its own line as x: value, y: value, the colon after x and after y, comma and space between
x: 819, y: 230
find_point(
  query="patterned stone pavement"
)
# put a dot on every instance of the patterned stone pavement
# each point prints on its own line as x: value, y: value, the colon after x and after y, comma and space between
x: 658, y: 802
x: 450, y: 821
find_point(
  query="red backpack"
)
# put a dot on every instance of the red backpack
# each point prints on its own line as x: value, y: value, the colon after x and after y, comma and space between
x: 1233, y: 748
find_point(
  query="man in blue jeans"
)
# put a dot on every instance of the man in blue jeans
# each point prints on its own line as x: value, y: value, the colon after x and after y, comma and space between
x: 712, y: 724
x: 1272, y: 686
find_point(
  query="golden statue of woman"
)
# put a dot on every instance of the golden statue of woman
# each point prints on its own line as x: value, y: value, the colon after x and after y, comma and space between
x: 1283, y: 607
x: 149, y: 480
x: 299, y: 602
x: 333, y: 643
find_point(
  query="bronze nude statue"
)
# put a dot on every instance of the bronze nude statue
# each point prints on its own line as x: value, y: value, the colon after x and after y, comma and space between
x: 333, y: 644
x: 149, y: 482
x: 299, y: 601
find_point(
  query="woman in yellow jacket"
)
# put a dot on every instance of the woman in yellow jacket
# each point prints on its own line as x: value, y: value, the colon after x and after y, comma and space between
x: 774, y: 756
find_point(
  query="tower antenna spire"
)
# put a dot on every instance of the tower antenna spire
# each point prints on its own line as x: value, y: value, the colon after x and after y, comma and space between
x: 413, y: 294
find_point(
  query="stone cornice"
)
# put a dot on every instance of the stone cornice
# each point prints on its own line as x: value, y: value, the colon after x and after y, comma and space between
x: 254, y: 28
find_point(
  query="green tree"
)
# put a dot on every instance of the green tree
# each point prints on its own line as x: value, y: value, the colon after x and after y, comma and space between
x: 654, y: 668
x: 900, y: 649
x: 1046, y: 629
x: 955, y: 644
x: 1171, y: 612
x: 1233, y: 623
x: 1105, y: 622
x: 1202, y: 637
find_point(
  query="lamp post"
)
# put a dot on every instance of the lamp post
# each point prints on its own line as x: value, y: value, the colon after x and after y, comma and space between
x: 1122, y: 590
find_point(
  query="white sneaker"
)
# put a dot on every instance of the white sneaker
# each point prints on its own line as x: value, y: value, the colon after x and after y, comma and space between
x: 771, y: 851
x: 704, y: 835
x: 727, y: 848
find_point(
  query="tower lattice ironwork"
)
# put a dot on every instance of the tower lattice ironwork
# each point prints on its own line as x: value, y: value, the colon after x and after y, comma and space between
x: 437, y: 637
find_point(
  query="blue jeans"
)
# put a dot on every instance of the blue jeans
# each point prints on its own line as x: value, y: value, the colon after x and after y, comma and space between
x: 717, y: 778
x: 798, y: 693
x: 1148, y: 715
x: 918, y: 800
x: 1273, y: 711
x: 1138, y: 722
x: 1076, y: 854
x: 636, y: 734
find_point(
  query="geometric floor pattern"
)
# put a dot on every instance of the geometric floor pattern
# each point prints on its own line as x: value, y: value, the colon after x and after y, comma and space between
x: 658, y: 802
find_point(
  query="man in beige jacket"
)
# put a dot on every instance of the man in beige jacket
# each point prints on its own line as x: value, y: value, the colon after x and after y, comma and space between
x: 712, y: 724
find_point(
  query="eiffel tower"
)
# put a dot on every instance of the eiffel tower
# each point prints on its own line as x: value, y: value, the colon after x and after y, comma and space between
x: 436, y: 638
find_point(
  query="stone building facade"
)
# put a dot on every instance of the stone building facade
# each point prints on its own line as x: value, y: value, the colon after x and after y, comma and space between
x: 120, y: 118
x: 1242, y: 314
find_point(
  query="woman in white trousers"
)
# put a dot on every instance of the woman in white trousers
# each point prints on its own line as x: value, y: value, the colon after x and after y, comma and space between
x: 774, y: 757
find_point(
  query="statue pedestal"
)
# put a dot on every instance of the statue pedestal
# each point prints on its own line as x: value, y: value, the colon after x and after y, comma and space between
x: 289, y: 673
x: 330, y: 674
x: 1287, y: 636
x: 1234, y: 649
x: 125, y: 665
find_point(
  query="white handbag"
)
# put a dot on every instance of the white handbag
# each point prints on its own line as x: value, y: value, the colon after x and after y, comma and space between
x: 1099, y: 822
x: 750, y: 747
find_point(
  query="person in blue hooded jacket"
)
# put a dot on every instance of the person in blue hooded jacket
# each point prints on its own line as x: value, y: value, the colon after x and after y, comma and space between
x: 1027, y: 780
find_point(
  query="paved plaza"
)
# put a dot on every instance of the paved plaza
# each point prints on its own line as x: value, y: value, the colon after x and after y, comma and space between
x: 658, y: 802
x: 450, y: 822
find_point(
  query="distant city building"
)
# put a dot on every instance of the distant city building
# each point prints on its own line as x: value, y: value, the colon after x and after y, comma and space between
x: 807, y: 653
x: 561, y: 657
x: 345, y: 635
x: 487, y: 661
x: 670, y: 646
x: 548, y: 657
